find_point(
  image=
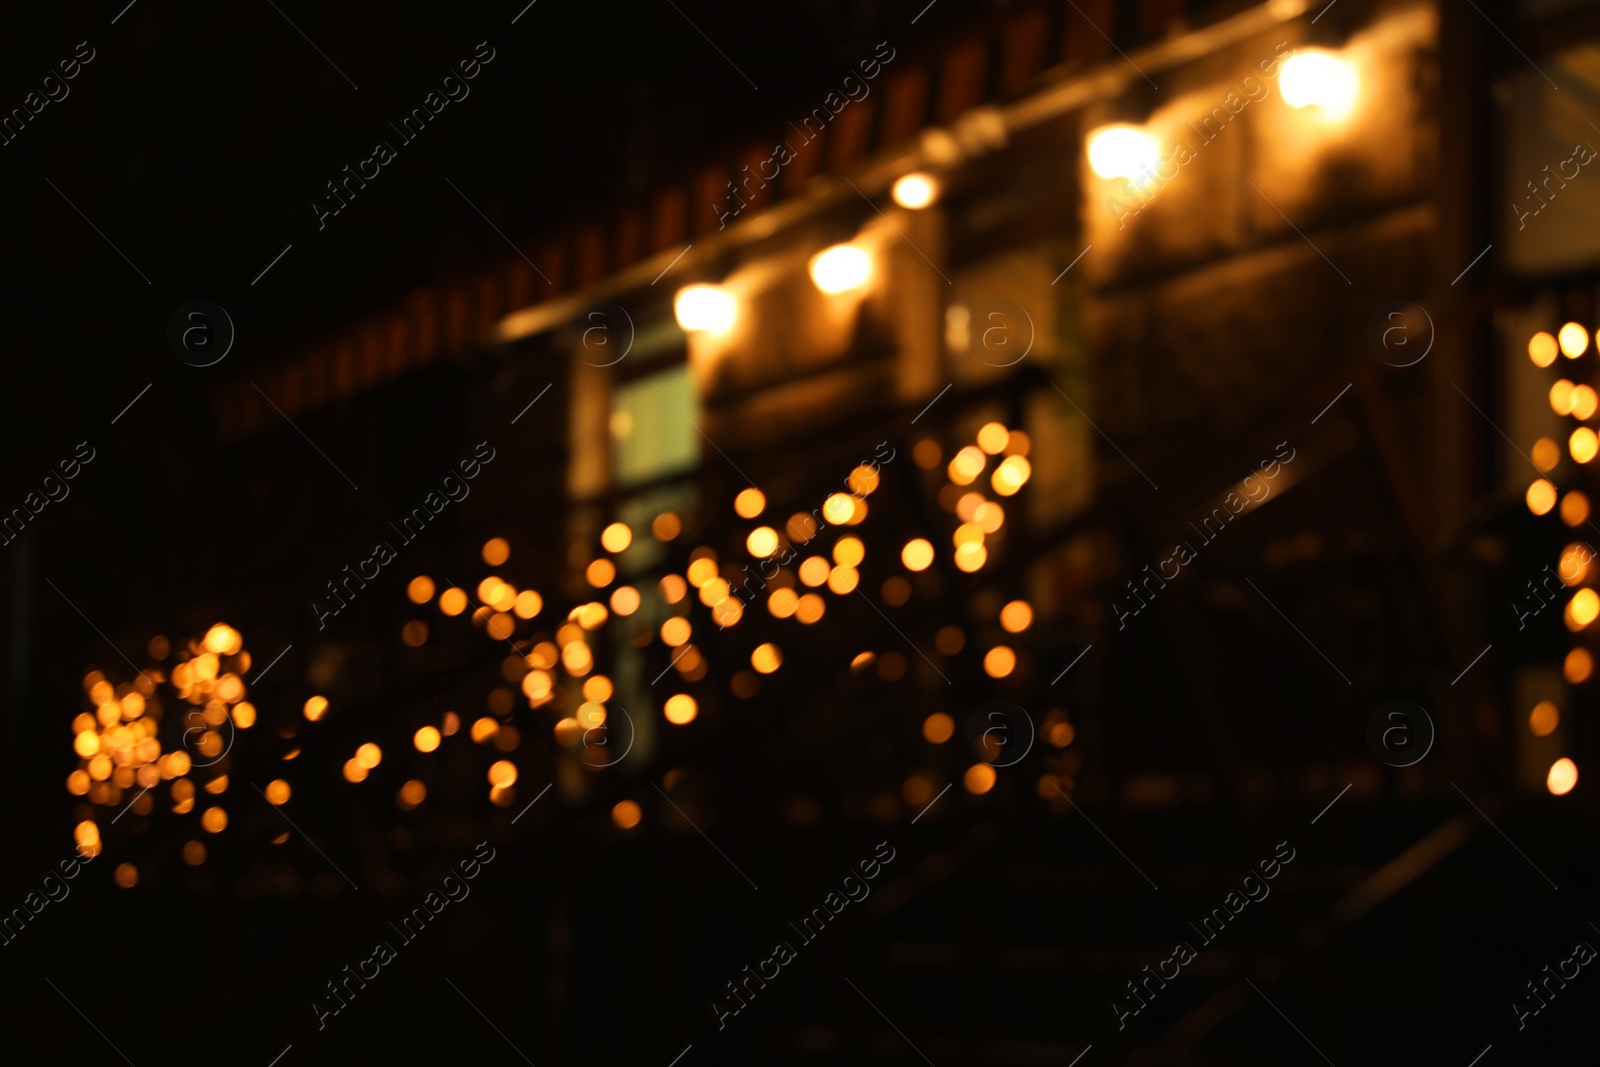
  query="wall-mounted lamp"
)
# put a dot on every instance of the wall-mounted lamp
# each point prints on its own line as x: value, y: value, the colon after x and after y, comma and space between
x: 707, y: 308
x: 916, y: 191
x: 841, y: 268
x: 1320, y: 79
x: 1123, y: 151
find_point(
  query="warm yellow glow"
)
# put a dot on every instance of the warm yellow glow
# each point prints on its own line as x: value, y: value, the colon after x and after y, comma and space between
x: 1542, y: 349
x: 426, y: 739
x: 616, y: 537
x: 966, y: 465
x: 316, y: 708
x: 917, y: 555
x: 680, y: 708
x: 1016, y: 616
x: 483, y: 729
x: 1584, y: 402
x: 1011, y: 475
x: 705, y: 307
x: 214, y: 820
x: 1546, y: 454
x: 840, y: 269
x: 702, y: 571
x: 601, y: 573
x: 1562, y: 777
x: 277, y: 791
x: 999, y: 661
x: 577, y: 659
x: 673, y: 588
x: 992, y: 438
x: 1544, y: 718
x: 843, y: 580
x: 967, y: 533
x: 453, y: 601
x: 502, y: 773
x: 86, y: 744
x: 989, y: 517
x: 762, y: 542
x: 1584, y: 443
x: 1319, y: 79
x: 625, y: 814
x: 1123, y: 151
x: 1579, y: 665
x: 369, y: 755
x: 979, y: 779
x: 1574, y: 564
x: 1583, y: 609
x: 849, y: 552
x: 222, y: 639
x: 971, y: 557
x: 78, y: 783
x: 496, y: 551
x: 838, y: 508
x: 810, y: 608
x: 1574, y: 340
x: 915, y: 191
x: 411, y: 794
x: 766, y: 658
x: 715, y: 592
x: 938, y: 728
x: 863, y: 480
x: 1541, y: 497
x: 1561, y: 397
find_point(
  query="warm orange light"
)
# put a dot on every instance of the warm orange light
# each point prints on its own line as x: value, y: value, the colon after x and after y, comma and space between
x: 706, y: 308
x: 1542, y: 349
x: 938, y: 728
x: 917, y: 555
x: 453, y: 601
x: 496, y: 551
x: 1546, y: 454
x: 999, y: 661
x: 222, y: 640
x: 702, y: 571
x: 967, y: 464
x: 1579, y: 666
x: 979, y: 779
x: 810, y: 608
x: 814, y: 571
x: 675, y: 631
x: 426, y: 739
x: 126, y: 875
x: 842, y: 580
x: 616, y: 537
x: 766, y: 658
x: 841, y: 269
x: 782, y: 602
x: 673, y: 588
x: 625, y: 600
x: 1016, y: 616
x: 1574, y: 563
x: 277, y: 791
x: 1574, y: 508
x: 666, y: 526
x: 971, y: 557
x: 849, y: 552
x: 411, y: 794
x: 1562, y: 777
x: 316, y: 708
x: 749, y: 503
x: 502, y: 773
x: 680, y: 708
x: 194, y: 853
x: 214, y: 820
x: 1541, y: 497
x: 863, y: 480
x: 483, y: 729
x: 1561, y: 397
x: 369, y: 755
x: 992, y: 438
x: 625, y: 814
x: 1574, y: 340
x: 1544, y: 718
x: 1585, y: 401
